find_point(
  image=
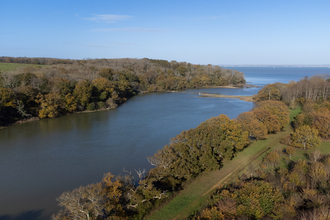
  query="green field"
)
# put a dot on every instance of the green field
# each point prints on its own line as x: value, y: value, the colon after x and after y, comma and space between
x: 13, y: 66
x: 193, y: 197
x: 301, y: 153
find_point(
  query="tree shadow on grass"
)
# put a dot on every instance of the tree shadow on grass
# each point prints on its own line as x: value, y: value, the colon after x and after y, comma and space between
x: 306, y: 155
x: 28, y: 215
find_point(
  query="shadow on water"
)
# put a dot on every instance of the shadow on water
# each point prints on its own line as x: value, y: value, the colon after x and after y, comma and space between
x: 28, y: 215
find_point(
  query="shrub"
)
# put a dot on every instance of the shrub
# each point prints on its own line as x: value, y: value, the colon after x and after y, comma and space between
x: 91, y: 106
x: 101, y: 105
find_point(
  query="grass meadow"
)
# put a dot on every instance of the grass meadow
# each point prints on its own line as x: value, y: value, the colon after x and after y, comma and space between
x: 194, y: 196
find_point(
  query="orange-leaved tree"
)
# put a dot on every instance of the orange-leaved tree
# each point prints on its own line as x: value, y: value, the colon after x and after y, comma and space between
x: 278, y: 109
x: 50, y: 105
x: 270, y: 121
x: 250, y: 123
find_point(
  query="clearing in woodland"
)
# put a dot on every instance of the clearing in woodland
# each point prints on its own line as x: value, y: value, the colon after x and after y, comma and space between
x: 13, y: 66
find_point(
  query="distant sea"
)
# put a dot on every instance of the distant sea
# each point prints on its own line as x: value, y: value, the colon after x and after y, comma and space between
x: 262, y: 76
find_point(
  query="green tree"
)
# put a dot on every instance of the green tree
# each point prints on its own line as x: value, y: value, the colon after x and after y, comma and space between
x: 257, y: 199
x: 107, y: 73
x: 64, y: 86
x: 268, y: 92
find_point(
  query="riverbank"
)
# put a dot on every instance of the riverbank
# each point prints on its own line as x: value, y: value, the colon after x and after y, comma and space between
x: 195, y: 195
x: 63, y: 153
x: 244, y: 98
x: 26, y: 120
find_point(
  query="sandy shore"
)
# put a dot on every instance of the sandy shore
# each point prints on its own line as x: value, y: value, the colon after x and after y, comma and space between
x: 234, y: 86
x: 244, y: 98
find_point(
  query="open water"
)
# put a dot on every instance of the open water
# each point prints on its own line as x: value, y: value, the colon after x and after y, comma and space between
x: 42, y: 159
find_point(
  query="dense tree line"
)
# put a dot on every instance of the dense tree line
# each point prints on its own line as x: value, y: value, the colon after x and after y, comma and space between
x: 313, y: 95
x: 317, y: 116
x: 294, y: 93
x: 312, y: 124
x: 36, y: 60
x: 190, y: 153
x: 66, y: 86
x: 298, y: 190
x: 282, y: 188
x: 266, y: 117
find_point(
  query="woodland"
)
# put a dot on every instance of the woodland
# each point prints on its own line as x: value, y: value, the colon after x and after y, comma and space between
x: 48, y: 88
x: 280, y: 187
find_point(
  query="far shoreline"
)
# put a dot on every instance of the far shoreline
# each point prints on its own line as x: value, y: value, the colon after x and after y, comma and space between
x: 244, y: 98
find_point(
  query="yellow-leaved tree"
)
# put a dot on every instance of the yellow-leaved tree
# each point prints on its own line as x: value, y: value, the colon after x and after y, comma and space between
x: 7, y: 97
x: 83, y: 92
x: 305, y: 137
x: 70, y: 103
x: 50, y: 105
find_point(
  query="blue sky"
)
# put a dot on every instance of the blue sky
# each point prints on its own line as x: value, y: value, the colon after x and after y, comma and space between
x: 205, y: 32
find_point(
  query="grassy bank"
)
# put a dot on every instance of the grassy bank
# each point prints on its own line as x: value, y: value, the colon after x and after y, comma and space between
x: 13, y: 66
x: 193, y: 197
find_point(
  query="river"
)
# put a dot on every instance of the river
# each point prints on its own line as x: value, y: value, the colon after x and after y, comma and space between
x: 40, y: 160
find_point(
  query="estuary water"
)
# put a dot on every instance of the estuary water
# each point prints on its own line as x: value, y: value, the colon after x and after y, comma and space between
x: 40, y: 160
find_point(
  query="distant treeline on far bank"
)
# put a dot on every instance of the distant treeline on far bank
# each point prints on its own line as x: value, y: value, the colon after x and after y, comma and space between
x: 275, y: 187
x: 48, y: 87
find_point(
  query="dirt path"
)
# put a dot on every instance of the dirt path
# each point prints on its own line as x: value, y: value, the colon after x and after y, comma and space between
x: 236, y: 171
x: 227, y: 178
x: 199, y: 190
x: 194, y: 196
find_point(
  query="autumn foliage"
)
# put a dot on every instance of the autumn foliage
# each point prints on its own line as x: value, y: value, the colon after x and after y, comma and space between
x: 251, y: 199
x: 267, y: 117
x: 295, y: 93
x: 190, y: 153
x: 317, y: 116
x: 66, y: 86
x: 305, y: 137
x: 296, y: 191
